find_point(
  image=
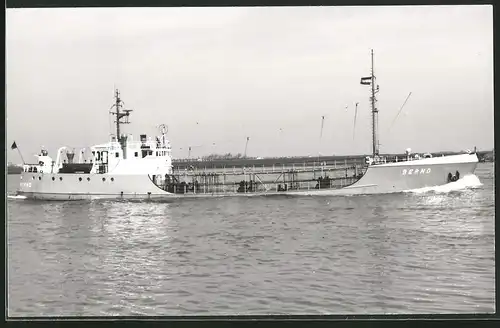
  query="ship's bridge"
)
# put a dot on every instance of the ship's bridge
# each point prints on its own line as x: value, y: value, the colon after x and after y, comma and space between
x: 133, y: 156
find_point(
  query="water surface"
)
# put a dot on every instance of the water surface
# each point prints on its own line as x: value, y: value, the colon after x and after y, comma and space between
x: 430, y: 251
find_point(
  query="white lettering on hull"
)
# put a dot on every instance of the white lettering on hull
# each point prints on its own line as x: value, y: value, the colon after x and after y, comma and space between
x: 26, y: 184
x: 415, y: 171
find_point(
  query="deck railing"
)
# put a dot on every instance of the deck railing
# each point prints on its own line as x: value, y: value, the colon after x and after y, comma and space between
x: 263, y: 169
x: 303, y: 176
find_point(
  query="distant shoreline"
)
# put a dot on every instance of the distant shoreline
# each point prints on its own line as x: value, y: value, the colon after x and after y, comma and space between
x: 299, y: 160
x: 13, y: 169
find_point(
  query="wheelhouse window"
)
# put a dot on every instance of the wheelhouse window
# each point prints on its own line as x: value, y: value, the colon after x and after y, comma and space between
x: 136, y: 154
x: 117, y: 155
x: 146, y: 153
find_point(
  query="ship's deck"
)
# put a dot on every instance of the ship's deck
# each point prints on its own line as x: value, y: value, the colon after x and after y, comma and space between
x: 255, y: 179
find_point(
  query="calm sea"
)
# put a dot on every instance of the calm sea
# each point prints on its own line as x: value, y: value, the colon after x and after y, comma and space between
x: 430, y: 251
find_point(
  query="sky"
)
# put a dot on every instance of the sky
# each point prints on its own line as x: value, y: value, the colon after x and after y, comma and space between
x: 216, y: 76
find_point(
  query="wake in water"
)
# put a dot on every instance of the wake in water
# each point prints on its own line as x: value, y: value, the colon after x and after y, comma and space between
x: 467, y: 182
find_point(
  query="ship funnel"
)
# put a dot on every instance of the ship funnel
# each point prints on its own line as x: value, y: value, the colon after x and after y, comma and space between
x: 70, y: 155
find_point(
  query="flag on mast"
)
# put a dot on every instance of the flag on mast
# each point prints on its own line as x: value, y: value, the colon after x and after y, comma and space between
x: 14, y: 146
x: 366, y: 80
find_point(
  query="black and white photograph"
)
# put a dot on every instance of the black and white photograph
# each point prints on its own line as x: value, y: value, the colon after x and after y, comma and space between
x: 293, y: 160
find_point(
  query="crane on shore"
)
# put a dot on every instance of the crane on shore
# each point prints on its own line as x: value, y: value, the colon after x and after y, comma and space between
x: 246, y: 147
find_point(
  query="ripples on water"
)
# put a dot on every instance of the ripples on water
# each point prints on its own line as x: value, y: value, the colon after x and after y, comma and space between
x: 430, y: 252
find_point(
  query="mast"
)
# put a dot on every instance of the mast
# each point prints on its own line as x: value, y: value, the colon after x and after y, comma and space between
x: 370, y: 80
x: 125, y: 113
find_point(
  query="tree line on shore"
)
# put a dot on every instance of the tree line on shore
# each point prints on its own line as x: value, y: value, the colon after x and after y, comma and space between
x: 482, y: 155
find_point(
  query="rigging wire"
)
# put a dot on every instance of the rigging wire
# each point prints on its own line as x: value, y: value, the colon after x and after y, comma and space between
x: 400, y: 111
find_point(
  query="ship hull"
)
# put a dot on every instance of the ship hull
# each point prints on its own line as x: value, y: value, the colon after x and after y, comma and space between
x: 403, y: 176
x: 47, y: 186
x: 378, y: 179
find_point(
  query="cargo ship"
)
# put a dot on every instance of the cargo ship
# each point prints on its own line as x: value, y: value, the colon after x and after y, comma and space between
x: 124, y: 168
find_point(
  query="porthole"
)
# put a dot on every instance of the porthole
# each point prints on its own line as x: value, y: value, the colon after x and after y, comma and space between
x: 103, y: 179
x: 33, y: 178
x: 39, y: 178
x: 80, y: 179
x: 60, y: 178
x: 112, y: 179
x: 53, y: 179
x: 88, y: 179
